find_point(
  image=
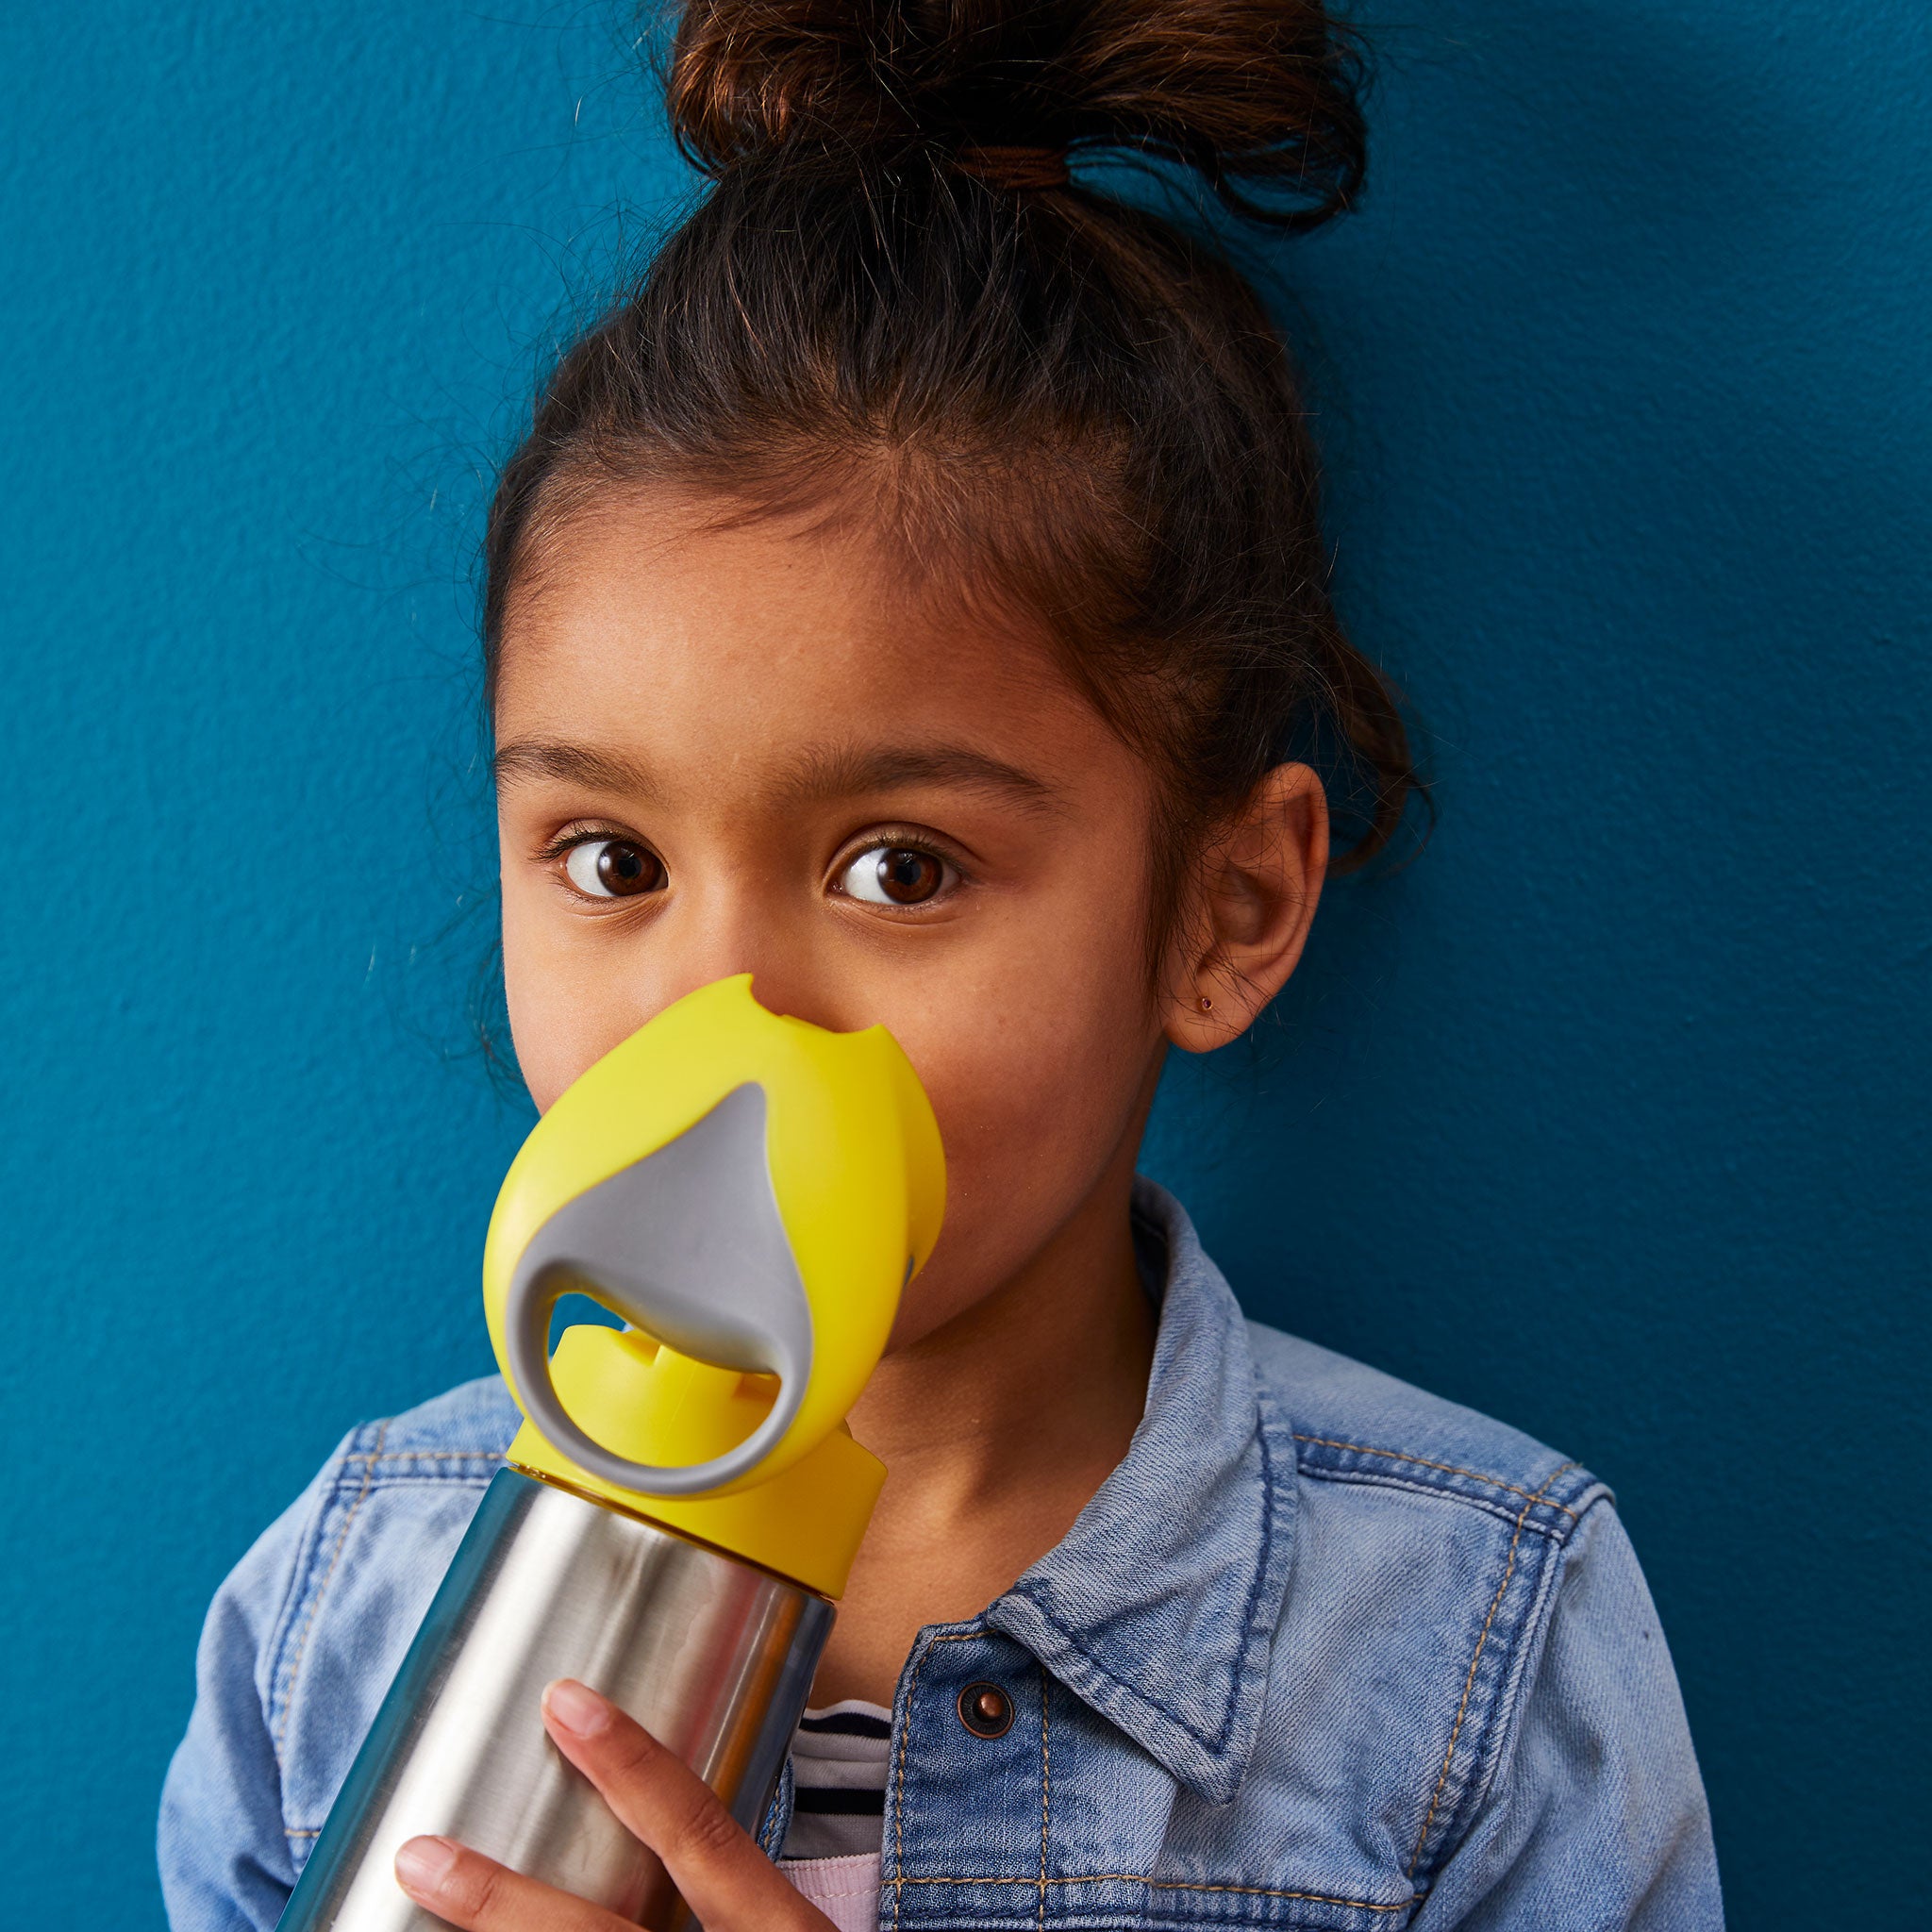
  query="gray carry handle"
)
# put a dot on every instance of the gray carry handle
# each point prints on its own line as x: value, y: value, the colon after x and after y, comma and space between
x: 689, y: 1246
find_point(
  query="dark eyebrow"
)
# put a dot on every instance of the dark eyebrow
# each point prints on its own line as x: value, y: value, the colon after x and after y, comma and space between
x: 847, y: 772
x: 819, y: 772
x: 577, y: 764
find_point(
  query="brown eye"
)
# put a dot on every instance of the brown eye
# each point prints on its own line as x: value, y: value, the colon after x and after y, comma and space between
x: 895, y: 875
x: 615, y: 868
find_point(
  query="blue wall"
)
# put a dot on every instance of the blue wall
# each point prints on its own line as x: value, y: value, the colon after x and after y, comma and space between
x: 1607, y: 1116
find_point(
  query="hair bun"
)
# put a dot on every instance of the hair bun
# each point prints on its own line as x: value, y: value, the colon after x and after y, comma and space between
x: 1258, y: 91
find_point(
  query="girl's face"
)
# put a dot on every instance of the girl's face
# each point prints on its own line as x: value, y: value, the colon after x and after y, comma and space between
x: 739, y: 749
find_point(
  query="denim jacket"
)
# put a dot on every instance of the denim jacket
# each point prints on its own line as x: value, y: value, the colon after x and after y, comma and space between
x: 1323, y: 1652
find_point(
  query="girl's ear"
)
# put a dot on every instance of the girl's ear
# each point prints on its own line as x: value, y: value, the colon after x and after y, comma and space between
x: 1252, y: 901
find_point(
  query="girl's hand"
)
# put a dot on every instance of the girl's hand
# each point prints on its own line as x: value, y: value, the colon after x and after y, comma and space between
x: 718, y: 1868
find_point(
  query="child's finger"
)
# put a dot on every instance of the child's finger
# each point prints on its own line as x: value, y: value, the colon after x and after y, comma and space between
x: 723, y: 1877
x: 468, y: 1889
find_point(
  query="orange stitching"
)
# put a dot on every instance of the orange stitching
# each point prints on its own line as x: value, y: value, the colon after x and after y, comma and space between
x: 1318, y: 1898
x: 315, y: 1605
x: 1469, y: 1682
x: 899, y: 1881
x: 425, y: 1455
x: 1449, y: 1469
x: 905, y: 1732
x: 1046, y: 1787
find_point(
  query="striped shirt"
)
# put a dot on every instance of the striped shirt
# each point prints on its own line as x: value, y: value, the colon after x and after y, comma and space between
x: 839, y: 1758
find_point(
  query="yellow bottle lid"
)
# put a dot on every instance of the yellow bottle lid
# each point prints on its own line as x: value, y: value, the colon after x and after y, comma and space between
x: 750, y: 1192
x: 656, y: 1406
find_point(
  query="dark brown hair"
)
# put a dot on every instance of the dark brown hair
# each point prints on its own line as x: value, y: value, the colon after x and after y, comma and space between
x: 894, y: 304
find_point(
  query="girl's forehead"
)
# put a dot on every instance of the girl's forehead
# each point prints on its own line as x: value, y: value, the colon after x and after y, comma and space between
x: 657, y: 627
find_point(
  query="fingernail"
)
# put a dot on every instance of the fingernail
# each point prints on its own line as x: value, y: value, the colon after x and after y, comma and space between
x: 424, y: 1864
x: 576, y: 1708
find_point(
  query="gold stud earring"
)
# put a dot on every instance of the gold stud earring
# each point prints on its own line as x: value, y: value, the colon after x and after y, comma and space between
x: 1206, y: 1004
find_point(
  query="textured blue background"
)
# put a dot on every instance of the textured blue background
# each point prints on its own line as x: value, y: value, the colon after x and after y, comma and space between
x: 1606, y: 1117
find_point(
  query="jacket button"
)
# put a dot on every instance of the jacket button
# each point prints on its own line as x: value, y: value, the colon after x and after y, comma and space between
x: 986, y: 1711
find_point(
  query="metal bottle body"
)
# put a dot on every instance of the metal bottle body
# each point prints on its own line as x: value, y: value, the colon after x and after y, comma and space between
x: 714, y: 1656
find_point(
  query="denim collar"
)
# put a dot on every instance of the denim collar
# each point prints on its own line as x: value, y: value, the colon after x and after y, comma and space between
x: 1159, y: 1606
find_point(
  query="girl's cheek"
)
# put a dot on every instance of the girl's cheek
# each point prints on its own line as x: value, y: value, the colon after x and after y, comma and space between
x: 1032, y: 1101
x: 563, y: 1016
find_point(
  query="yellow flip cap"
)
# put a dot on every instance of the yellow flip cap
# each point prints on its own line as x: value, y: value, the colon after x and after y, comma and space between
x: 751, y: 1193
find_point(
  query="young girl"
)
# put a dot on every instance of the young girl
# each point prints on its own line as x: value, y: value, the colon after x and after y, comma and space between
x: 912, y: 593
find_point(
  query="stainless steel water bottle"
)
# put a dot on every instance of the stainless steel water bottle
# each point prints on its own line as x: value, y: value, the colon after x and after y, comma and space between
x: 749, y: 1194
